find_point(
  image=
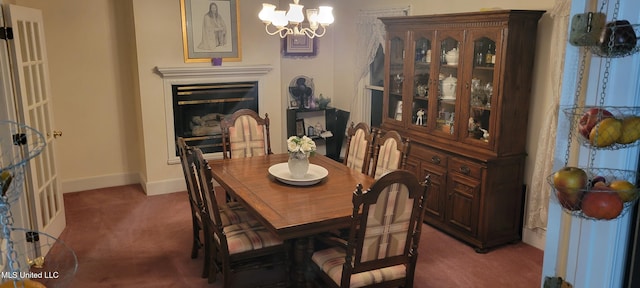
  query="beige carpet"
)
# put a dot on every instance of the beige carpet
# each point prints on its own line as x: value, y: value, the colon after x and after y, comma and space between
x: 124, y: 238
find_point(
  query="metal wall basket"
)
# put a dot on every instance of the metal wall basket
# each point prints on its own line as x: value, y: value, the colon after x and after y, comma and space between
x: 56, y: 268
x: 18, y: 144
x: 618, y: 39
x: 574, y: 205
x: 630, y: 120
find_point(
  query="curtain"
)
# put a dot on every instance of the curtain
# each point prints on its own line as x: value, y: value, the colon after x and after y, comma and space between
x: 538, y: 206
x: 371, y: 34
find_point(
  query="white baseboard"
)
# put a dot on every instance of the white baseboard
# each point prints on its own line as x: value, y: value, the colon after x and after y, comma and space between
x: 165, y: 186
x: 150, y: 188
x: 536, y: 238
x: 83, y: 184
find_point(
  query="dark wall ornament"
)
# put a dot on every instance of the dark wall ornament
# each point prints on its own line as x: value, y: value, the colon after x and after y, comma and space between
x: 301, y: 91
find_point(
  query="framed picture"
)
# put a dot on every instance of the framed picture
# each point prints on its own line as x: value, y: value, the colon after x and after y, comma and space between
x: 293, y: 104
x: 210, y: 29
x: 299, y: 45
x: 300, y: 127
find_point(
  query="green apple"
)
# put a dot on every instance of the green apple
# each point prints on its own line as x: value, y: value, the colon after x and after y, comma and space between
x: 570, y: 183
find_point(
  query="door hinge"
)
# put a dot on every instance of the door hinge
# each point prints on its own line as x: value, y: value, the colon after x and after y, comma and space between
x: 6, y: 33
x: 33, y: 236
x: 19, y: 139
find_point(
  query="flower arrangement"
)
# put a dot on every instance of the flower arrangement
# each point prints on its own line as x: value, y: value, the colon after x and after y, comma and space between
x: 301, y: 145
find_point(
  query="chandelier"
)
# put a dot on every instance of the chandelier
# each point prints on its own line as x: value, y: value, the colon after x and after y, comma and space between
x: 289, y: 22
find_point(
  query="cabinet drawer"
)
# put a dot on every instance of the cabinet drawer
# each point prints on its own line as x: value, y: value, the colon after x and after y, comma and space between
x: 464, y: 167
x: 434, y: 158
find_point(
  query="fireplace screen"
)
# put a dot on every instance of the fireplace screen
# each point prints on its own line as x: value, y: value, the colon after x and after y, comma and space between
x: 199, y: 108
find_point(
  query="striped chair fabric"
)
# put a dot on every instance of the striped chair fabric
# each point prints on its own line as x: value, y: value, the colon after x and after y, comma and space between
x: 386, y: 218
x: 389, y: 158
x: 331, y: 261
x: 246, y: 138
x: 390, y: 153
x: 358, y: 153
x: 248, y: 236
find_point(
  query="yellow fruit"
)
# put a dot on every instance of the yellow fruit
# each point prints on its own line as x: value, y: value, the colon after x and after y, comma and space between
x: 630, y: 130
x: 625, y: 189
x: 5, y: 181
x: 606, y: 132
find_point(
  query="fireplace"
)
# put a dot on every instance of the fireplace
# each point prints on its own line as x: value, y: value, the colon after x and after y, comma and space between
x: 204, y: 94
x: 199, y: 108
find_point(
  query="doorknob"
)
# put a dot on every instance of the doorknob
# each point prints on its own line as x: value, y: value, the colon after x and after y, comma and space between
x: 57, y: 133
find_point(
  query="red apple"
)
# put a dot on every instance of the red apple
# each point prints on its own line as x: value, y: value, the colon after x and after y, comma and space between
x: 603, y: 203
x: 590, y: 118
x: 570, y: 183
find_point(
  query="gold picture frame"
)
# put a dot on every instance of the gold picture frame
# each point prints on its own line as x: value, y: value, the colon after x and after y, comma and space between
x: 223, y: 39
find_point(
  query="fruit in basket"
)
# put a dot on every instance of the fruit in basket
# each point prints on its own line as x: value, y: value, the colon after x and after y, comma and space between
x: 25, y: 283
x: 598, y: 181
x: 590, y: 118
x: 618, y: 37
x: 570, y: 183
x: 603, y: 203
x: 606, y: 132
x: 625, y: 189
x: 630, y: 130
x: 5, y: 181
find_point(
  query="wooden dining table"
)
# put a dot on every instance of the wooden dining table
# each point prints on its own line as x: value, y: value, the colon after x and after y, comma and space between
x: 293, y: 212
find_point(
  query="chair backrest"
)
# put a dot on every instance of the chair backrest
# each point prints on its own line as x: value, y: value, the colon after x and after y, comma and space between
x: 245, y: 134
x: 385, y: 227
x: 359, y: 144
x: 193, y: 187
x: 210, y: 205
x: 389, y: 153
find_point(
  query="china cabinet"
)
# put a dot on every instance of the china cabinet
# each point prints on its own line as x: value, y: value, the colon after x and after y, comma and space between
x: 458, y: 85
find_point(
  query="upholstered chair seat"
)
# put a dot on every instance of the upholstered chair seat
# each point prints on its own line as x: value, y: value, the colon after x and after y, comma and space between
x: 382, y: 247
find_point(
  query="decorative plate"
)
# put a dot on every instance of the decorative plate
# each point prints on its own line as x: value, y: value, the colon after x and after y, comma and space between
x: 315, y: 174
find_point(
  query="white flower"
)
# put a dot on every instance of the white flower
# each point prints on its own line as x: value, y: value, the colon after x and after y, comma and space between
x: 302, y: 144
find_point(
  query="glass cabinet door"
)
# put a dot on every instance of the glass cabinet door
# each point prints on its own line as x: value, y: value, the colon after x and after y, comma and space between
x: 395, y: 77
x: 421, y: 78
x: 449, y: 56
x: 481, y: 87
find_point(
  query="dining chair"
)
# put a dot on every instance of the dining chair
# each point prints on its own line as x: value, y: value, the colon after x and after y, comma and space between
x: 389, y: 153
x: 382, y: 247
x: 185, y: 152
x: 235, y: 247
x: 245, y: 134
x: 231, y: 213
x: 359, y: 145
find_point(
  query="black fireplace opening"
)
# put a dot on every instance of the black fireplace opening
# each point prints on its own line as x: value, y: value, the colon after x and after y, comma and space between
x: 198, y: 110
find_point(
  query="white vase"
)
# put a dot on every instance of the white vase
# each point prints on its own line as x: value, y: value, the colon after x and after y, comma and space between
x: 298, y: 164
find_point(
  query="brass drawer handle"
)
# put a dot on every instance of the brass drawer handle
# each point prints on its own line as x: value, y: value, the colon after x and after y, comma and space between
x: 465, y: 170
x: 435, y: 159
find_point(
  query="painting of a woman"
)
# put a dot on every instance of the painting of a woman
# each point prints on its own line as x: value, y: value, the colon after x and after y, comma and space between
x: 214, y: 29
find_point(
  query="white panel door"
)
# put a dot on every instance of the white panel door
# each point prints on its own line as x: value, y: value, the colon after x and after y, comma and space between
x: 33, y: 97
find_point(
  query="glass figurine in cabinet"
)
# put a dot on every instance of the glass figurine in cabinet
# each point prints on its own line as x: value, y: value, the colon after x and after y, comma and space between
x: 398, y: 79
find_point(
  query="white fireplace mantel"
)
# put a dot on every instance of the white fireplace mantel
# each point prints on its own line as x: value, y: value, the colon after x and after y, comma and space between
x: 201, y: 75
x: 214, y: 71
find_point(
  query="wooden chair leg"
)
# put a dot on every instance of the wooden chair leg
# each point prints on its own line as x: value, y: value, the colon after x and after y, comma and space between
x: 207, y: 261
x: 196, y: 239
x: 213, y: 265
